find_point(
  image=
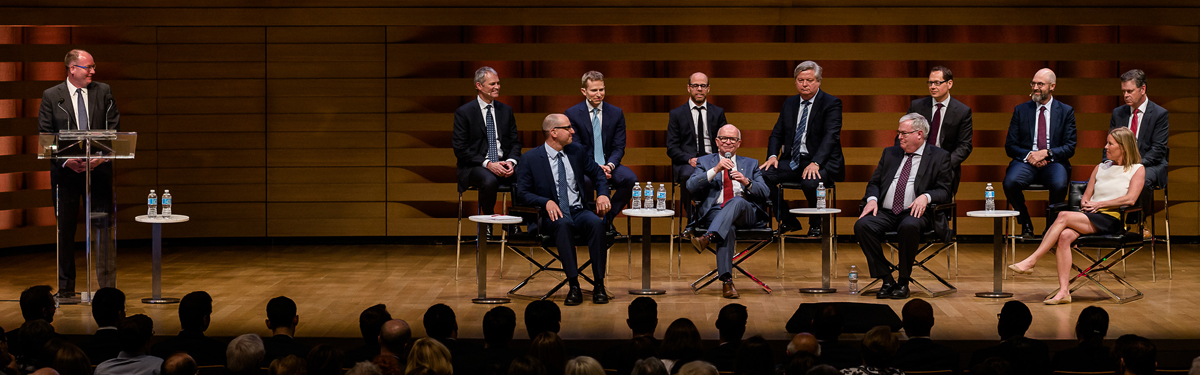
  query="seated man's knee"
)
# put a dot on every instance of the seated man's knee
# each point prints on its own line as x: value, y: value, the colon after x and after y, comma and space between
x: 861, y: 225
x: 910, y: 224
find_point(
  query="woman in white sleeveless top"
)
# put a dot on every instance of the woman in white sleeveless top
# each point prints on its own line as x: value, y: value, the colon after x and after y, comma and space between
x: 1113, y: 184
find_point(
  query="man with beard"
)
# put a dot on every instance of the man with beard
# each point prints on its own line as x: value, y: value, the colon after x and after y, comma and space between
x: 1041, y: 141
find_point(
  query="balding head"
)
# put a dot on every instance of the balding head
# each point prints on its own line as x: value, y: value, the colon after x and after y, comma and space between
x: 394, y: 336
x: 180, y: 364
x: 1047, y: 74
x: 804, y: 342
x: 554, y: 120
x: 44, y: 371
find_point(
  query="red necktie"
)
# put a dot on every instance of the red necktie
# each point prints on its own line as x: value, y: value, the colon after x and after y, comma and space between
x: 727, y: 189
x: 1041, y: 136
x: 1133, y: 125
x: 933, y: 128
x: 902, y: 184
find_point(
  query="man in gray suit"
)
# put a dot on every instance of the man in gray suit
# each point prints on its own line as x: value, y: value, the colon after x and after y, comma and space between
x: 734, y: 196
x: 79, y: 104
x: 950, y: 126
x: 1149, y: 122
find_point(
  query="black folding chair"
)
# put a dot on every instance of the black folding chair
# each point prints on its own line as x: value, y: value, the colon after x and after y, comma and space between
x: 757, y: 238
x: 1127, y: 244
x: 931, y: 246
x: 518, y: 238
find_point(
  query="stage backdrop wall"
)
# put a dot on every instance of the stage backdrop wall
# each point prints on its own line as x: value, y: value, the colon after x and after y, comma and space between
x: 333, y: 118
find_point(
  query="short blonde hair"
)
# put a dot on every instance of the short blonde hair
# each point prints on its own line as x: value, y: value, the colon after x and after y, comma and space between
x: 584, y: 365
x: 429, y: 356
x: 1128, y: 143
x: 591, y: 75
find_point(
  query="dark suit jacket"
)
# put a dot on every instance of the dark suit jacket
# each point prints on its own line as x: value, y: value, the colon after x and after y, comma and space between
x: 724, y: 356
x: 1022, y: 131
x: 612, y: 130
x: 1027, y: 356
x: 535, y: 181
x: 1085, y: 359
x: 840, y: 355
x: 205, y: 350
x: 933, y: 178
x: 1152, y: 137
x: 700, y: 186
x: 681, y: 132
x: 470, y: 135
x: 922, y: 354
x: 57, y: 112
x: 955, y: 130
x: 280, y: 346
x: 824, y: 132
x: 102, y: 346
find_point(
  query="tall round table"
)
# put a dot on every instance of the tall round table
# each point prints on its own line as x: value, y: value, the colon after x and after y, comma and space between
x: 646, y: 214
x: 828, y: 244
x: 156, y: 225
x: 481, y: 255
x: 998, y: 217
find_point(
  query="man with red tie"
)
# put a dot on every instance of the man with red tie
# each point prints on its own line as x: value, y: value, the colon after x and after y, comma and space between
x: 1150, y: 124
x: 1041, y: 140
x: 950, y: 126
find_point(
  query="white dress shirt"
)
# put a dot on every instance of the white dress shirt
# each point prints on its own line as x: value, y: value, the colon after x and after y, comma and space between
x: 572, y: 190
x: 910, y: 193
x: 1037, y: 112
x: 75, y: 99
x: 484, y: 111
x: 702, y: 131
x: 737, y: 186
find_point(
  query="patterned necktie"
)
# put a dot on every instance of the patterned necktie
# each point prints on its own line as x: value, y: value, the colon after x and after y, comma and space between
x: 564, y: 199
x: 726, y: 188
x: 801, y: 127
x: 932, y: 137
x: 81, y: 110
x: 1041, y: 133
x: 597, y: 143
x: 493, y: 153
x: 902, y: 184
x: 1133, y: 125
x: 701, y: 146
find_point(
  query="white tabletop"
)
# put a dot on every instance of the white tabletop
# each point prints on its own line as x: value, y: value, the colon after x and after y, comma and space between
x: 647, y: 212
x: 815, y: 211
x: 495, y: 219
x: 175, y: 218
x: 993, y: 213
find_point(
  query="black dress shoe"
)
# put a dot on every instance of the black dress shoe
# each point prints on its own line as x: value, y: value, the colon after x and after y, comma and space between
x: 885, y: 290
x: 612, y: 230
x: 599, y: 295
x: 1027, y: 230
x: 488, y: 231
x: 814, y: 231
x: 789, y: 226
x: 574, y: 297
x: 900, y: 292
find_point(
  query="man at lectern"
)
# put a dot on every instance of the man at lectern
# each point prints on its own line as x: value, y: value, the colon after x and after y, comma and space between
x: 79, y: 104
x: 485, y: 142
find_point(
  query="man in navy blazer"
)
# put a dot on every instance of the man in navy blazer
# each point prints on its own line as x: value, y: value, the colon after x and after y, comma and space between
x: 805, y: 145
x: 692, y: 128
x: 485, y: 141
x: 735, y: 195
x: 950, y: 125
x: 80, y: 104
x: 600, y: 127
x: 1151, y: 129
x: 1041, y: 140
x: 909, y: 178
x: 545, y: 180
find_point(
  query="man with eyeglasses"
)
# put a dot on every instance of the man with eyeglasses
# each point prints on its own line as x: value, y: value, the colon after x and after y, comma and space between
x: 805, y: 145
x: 692, y: 128
x: 79, y: 104
x: 1041, y: 140
x: 950, y: 125
x: 485, y: 142
x: 600, y: 127
x: 909, y: 178
x: 735, y: 195
x: 552, y: 178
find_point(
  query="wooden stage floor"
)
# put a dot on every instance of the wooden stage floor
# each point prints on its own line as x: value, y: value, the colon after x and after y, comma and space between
x: 333, y: 283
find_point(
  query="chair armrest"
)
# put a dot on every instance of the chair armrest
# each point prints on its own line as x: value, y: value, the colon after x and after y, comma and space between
x: 950, y: 206
x: 525, y: 209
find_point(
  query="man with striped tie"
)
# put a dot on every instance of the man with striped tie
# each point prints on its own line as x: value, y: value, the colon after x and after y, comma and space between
x: 485, y: 142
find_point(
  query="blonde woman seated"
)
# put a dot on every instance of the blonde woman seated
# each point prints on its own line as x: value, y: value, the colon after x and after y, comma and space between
x: 1113, y: 184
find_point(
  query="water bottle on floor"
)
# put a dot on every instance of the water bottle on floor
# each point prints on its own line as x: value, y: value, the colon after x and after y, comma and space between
x: 853, y: 279
x: 821, y: 195
x: 636, y: 201
x: 152, y: 203
x: 989, y: 197
x: 166, y: 204
x: 649, y: 195
x: 661, y: 197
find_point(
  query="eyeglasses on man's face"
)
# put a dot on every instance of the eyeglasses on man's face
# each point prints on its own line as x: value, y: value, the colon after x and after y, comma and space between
x: 935, y: 83
x: 1038, y: 85
x: 728, y: 139
x: 904, y: 133
x: 89, y: 67
x: 698, y: 85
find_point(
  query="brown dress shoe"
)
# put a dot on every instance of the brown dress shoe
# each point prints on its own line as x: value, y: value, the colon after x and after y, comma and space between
x: 701, y: 242
x: 728, y: 291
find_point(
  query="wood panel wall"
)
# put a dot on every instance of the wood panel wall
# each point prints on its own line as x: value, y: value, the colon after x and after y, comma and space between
x: 334, y: 119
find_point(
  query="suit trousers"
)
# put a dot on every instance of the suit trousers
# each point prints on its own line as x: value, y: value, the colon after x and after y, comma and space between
x: 1055, y: 176
x: 588, y: 226
x: 723, y: 223
x: 784, y: 173
x: 621, y: 186
x: 870, y: 229
x: 488, y: 183
x: 70, y: 188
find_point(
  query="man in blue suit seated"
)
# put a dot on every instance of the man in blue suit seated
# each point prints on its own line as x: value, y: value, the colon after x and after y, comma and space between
x: 600, y: 127
x: 734, y: 196
x: 1041, y: 141
x: 551, y: 177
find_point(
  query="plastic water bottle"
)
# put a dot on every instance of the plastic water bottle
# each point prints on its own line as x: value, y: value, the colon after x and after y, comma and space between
x: 662, y: 197
x: 853, y: 279
x: 637, y: 196
x: 166, y: 204
x: 821, y: 195
x: 152, y: 203
x: 648, y: 194
x: 989, y: 197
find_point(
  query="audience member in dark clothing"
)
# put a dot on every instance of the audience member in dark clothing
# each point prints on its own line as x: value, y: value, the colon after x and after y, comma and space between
x: 642, y: 320
x: 731, y: 324
x: 8, y: 363
x: 548, y: 348
x: 920, y: 353
x: 754, y: 357
x: 69, y: 359
x: 369, y: 322
x: 180, y: 364
x: 442, y: 325
x: 1091, y: 355
x: 527, y: 365
x: 325, y: 359
x: 136, y: 332
x: 37, y: 302
x: 108, y: 308
x: 827, y: 326
x: 195, y: 314
x: 282, y: 321
x: 681, y: 344
x: 878, y: 353
x: 393, y: 347
x: 799, y: 363
x: 1136, y: 355
x: 1024, y: 355
x: 498, y: 326
x: 542, y: 316
x: 992, y: 366
x: 34, y: 336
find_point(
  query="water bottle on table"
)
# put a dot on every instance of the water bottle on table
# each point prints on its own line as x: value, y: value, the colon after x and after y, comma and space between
x: 636, y: 201
x: 662, y: 197
x: 649, y: 195
x: 152, y: 203
x: 821, y: 195
x: 989, y: 197
x: 166, y: 204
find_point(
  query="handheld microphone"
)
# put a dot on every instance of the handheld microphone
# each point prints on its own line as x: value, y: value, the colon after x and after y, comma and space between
x: 728, y: 155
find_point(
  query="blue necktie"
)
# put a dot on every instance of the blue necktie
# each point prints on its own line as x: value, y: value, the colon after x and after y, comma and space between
x: 493, y: 153
x: 564, y: 199
x: 801, y: 127
x: 81, y: 110
x: 597, y: 143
